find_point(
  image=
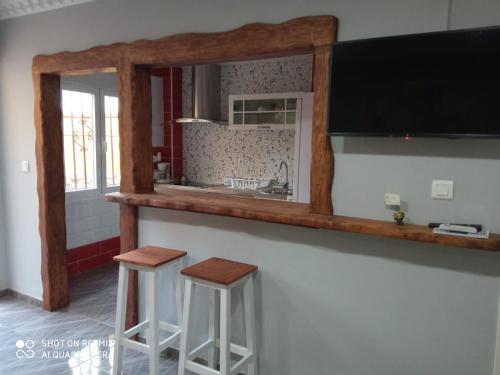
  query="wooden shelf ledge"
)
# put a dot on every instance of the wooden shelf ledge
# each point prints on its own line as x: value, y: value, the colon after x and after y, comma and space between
x: 292, y: 214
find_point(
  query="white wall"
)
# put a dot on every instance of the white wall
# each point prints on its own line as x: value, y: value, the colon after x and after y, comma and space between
x: 4, y: 277
x: 337, y: 303
x: 328, y: 302
x: 90, y: 220
x: 157, y: 111
x: 98, y: 81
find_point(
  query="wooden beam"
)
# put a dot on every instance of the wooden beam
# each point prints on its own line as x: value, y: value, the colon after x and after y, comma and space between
x: 251, y: 41
x: 129, y: 234
x: 94, y: 60
x: 322, y: 163
x: 134, y: 90
x: 51, y: 190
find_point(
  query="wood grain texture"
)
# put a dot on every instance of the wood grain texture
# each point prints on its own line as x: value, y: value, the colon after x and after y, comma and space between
x: 219, y: 271
x: 252, y: 41
x: 322, y: 163
x: 129, y: 236
x: 99, y: 59
x: 150, y: 256
x: 134, y: 90
x: 293, y: 214
x: 135, y: 115
x: 51, y: 190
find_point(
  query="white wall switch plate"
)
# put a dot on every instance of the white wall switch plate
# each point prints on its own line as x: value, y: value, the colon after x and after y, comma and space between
x: 392, y: 199
x: 442, y: 189
x: 25, y: 166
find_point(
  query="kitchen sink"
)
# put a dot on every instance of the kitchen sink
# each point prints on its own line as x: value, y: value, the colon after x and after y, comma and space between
x: 275, y: 190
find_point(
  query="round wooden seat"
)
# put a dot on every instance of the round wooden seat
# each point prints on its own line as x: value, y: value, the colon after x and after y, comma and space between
x: 150, y: 256
x: 220, y: 271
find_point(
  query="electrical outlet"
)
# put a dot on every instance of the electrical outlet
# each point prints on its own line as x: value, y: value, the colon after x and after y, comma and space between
x: 392, y: 199
x: 227, y: 181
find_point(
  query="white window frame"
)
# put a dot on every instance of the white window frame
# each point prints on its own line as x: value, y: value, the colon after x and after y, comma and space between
x: 102, y: 93
x: 85, y: 194
x: 100, y: 142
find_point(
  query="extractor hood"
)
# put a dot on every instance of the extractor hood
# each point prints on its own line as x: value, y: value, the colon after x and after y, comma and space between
x: 206, y: 95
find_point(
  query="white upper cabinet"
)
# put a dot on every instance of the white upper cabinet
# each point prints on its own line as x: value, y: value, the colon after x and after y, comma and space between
x: 264, y: 111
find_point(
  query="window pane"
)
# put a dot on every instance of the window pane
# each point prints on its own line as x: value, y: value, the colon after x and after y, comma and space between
x: 79, y: 140
x: 264, y: 118
x: 291, y: 104
x: 238, y: 105
x: 238, y: 118
x: 263, y: 105
x: 112, y: 141
x: 290, y: 117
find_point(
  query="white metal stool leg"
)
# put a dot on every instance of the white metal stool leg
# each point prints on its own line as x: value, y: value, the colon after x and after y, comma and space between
x: 121, y: 310
x: 153, y: 339
x: 185, y: 327
x: 213, y: 327
x: 178, y: 291
x: 225, y: 331
x: 249, y: 306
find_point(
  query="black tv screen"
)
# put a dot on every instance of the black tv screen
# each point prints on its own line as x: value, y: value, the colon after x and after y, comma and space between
x: 444, y: 84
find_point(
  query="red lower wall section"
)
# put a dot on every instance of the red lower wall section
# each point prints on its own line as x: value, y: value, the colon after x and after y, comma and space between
x: 91, y: 256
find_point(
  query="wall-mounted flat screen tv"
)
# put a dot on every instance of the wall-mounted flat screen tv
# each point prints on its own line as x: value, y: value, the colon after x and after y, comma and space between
x: 444, y: 84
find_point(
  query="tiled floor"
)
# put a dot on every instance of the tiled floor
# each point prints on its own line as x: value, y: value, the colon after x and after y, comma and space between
x: 73, y: 341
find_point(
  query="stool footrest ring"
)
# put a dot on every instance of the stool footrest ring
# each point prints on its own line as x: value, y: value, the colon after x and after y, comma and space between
x: 200, y: 369
x: 164, y: 326
x: 136, y: 345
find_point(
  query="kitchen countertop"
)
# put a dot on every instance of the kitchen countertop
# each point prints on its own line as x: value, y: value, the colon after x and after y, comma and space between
x: 280, y: 211
x: 221, y: 189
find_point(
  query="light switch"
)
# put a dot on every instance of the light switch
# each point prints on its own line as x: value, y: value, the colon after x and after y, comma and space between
x: 442, y: 189
x: 25, y: 166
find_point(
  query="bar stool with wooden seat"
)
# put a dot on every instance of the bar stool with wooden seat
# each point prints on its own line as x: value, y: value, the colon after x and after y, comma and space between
x: 150, y: 260
x: 220, y: 275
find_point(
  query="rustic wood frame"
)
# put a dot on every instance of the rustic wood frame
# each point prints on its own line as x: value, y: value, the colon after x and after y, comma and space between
x: 132, y: 62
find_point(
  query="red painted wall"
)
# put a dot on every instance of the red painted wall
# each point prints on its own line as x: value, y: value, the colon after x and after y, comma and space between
x: 172, y: 104
x: 87, y: 257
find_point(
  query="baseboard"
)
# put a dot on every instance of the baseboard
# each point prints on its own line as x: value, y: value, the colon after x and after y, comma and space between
x: 22, y: 297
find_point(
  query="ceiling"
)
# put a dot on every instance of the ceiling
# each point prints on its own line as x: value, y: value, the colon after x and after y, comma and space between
x: 17, y: 8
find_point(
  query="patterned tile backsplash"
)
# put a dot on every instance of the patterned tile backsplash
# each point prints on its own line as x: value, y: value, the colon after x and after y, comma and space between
x: 212, y: 152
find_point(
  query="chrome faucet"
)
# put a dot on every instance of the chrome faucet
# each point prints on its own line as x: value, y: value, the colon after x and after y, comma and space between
x: 283, y: 163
